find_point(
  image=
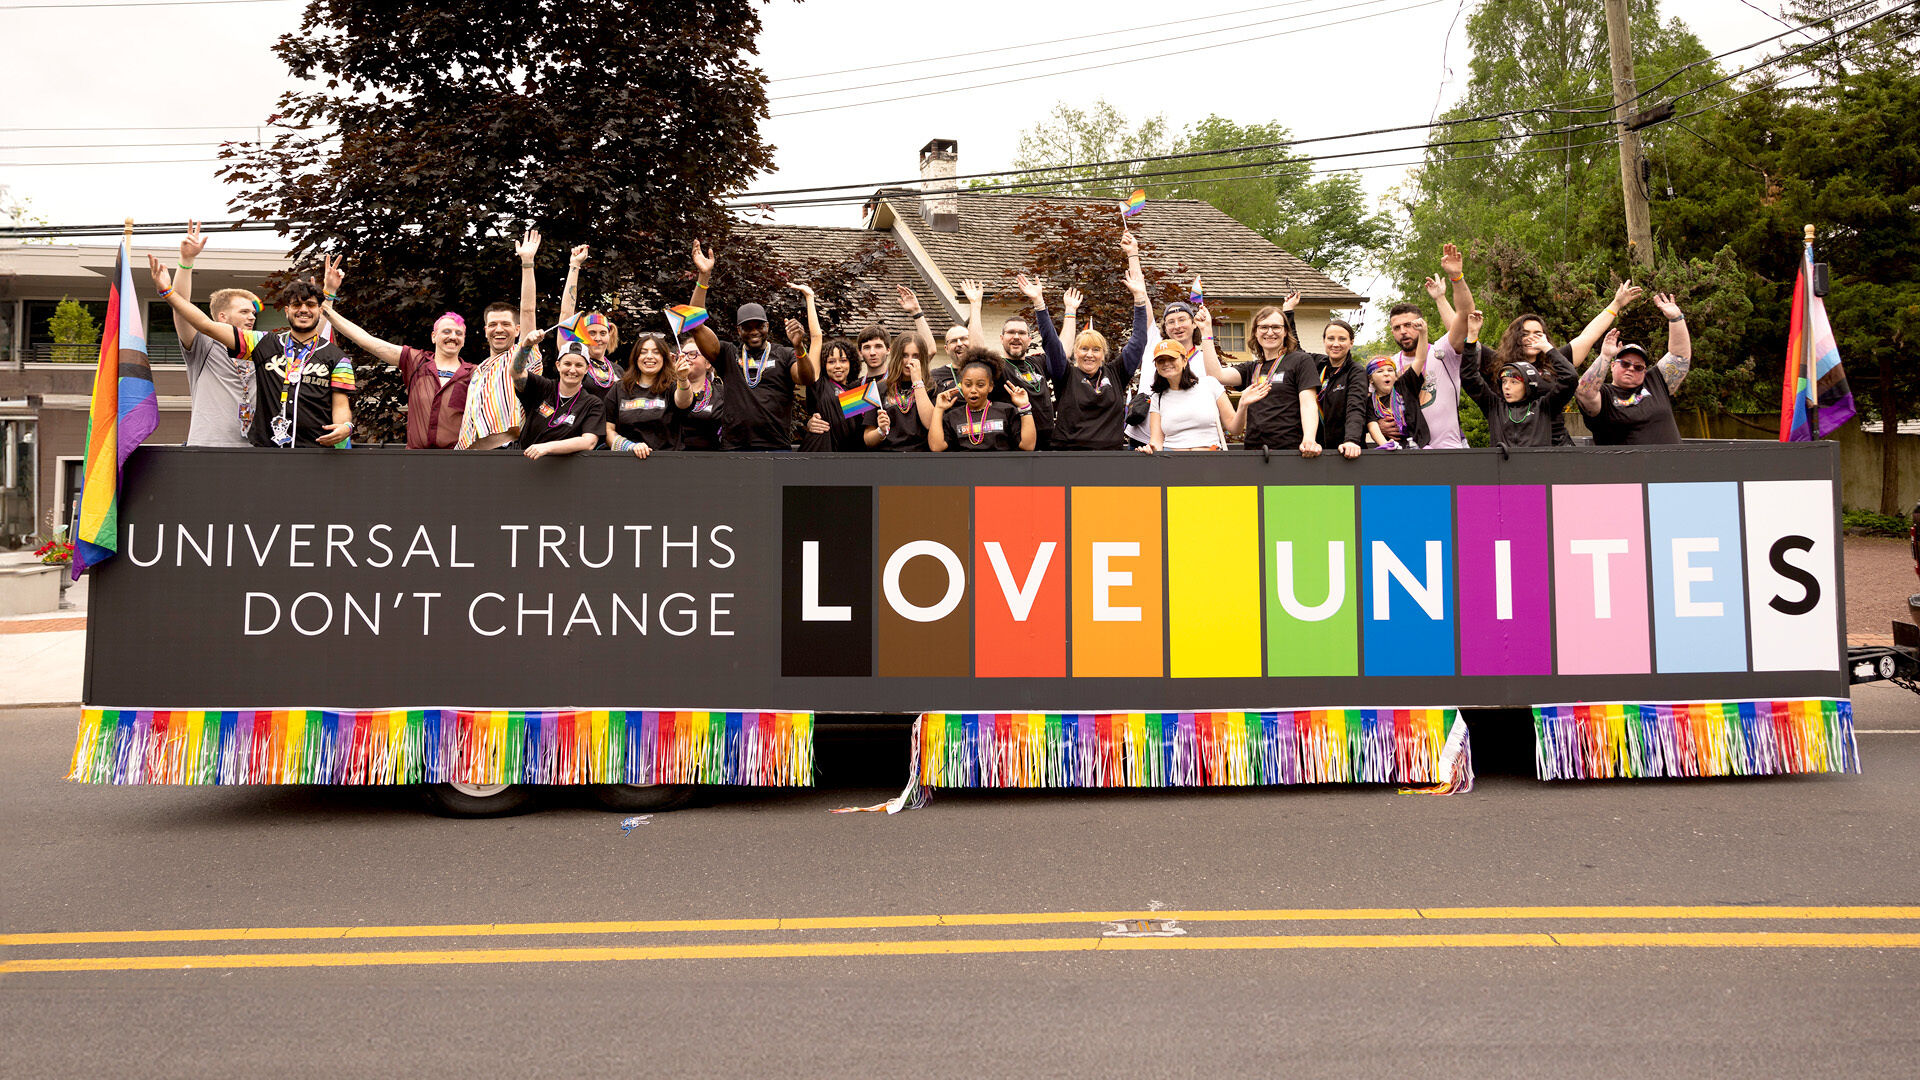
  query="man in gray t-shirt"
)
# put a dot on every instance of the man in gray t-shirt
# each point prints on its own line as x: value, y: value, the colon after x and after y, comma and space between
x: 220, y: 385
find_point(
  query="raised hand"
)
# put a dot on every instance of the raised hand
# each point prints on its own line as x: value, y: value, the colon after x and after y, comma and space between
x: 1032, y: 289
x: 1452, y: 262
x: 162, y: 277
x: 1474, y: 320
x: 796, y: 334
x: 529, y: 246
x: 1292, y: 301
x: 947, y: 397
x: 1017, y: 394
x: 1610, y: 346
x: 683, y: 372
x: 1667, y: 306
x: 909, y: 301
x: 1129, y: 244
x: 702, y: 260
x: 332, y: 274
x: 1136, y: 283
x: 1072, y: 298
x: 911, y: 365
x: 193, y: 245
x: 1626, y: 294
x: 578, y: 257
x: 973, y: 289
x: 1436, y: 287
x: 802, y: 288
x: 817, y: 425
x: 1204, y: 320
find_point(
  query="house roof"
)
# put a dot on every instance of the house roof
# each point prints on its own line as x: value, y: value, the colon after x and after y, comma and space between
x: 816, y: 243
x: 1236, y: 262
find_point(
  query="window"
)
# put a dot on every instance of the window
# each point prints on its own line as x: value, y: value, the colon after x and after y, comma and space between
x: 1231, y: 337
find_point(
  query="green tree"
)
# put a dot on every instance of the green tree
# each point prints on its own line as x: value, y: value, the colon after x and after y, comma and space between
x: 73, y: 325
x: 1273, y: 192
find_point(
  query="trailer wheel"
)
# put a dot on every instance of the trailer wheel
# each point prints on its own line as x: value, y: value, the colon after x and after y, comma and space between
x: 478, y: 800
x: 640, y: 798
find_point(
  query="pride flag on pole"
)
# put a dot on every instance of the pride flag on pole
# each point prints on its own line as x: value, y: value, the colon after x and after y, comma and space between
x: 1814, y: 398
x: 123, y: 414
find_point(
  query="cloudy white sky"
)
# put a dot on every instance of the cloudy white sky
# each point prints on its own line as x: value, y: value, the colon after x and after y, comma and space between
x: 152, y: 65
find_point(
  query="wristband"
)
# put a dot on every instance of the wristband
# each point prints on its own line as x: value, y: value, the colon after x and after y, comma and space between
x: 1456, y: 277
x: 700, y: 284
x: 1025, y: 410
x: 183, y: 266
x: 166, y: 292
x: 919, y: 386
x: 1611, y: 311
x: 1678, y: 318
x: 331, y: 297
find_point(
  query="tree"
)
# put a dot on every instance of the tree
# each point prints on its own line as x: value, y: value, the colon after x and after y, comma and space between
x: 438, y: 133
x: 1077, y: 244
x: 1272, y: 191
x: 73, y: 327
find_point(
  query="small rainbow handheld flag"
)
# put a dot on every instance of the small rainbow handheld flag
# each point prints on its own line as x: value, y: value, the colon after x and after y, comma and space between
x: 124, y: 412
x: 1136, y: 202
x: 575, y: 329
x: 685, y: 317
x: 858, y: 400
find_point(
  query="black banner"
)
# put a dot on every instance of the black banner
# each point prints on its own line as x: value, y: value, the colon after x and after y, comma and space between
x: 906, y: 583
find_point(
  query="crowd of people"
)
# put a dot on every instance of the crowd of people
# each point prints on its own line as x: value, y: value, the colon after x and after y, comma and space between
x: 1035, y: 387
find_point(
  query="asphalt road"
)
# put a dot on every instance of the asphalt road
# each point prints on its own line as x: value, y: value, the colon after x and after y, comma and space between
x: 1323, y: 930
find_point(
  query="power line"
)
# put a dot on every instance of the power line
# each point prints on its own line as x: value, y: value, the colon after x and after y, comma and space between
x: 90, y: 164
x: 921, y: 78
x: 150, y: 4
x: 117, y: 146
x: 1094, y: 67
x: 178, y: 127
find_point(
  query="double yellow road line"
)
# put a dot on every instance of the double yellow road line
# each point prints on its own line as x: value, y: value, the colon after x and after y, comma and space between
x: 1093, y: 938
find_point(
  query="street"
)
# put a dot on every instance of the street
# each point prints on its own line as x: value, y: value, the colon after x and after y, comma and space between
x: 1519, y: 930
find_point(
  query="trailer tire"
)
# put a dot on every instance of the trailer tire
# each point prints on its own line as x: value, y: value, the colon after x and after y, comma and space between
x: 478, y: 800
x: 640, y: 798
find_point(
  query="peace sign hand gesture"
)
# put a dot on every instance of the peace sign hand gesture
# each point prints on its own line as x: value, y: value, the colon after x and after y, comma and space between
x: 947, y: 397
x: 1018, y: 395
x: 332, y: 274
x: 193, y: 245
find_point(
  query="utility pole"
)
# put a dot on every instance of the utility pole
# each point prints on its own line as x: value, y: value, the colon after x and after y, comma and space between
x: 1632, y: 188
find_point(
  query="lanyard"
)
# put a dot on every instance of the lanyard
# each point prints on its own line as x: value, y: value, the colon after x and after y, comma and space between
x: 295, y: 363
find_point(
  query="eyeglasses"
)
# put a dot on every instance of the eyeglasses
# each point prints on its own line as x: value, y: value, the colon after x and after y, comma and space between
x: 1269, y: 329
x: 1630, y: 367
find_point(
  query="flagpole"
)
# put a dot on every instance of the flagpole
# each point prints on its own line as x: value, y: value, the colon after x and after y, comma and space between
x: 1806, y: 342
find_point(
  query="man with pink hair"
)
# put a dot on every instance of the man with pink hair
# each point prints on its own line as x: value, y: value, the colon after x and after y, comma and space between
x: 436, y: 380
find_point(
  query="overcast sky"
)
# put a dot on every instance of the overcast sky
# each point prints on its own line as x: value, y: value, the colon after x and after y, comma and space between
x: 183, y: 64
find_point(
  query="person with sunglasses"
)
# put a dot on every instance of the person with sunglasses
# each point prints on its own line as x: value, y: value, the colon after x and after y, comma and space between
x: 1622, y: 405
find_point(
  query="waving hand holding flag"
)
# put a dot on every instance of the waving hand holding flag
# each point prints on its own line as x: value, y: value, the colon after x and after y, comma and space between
x: 123, y: 414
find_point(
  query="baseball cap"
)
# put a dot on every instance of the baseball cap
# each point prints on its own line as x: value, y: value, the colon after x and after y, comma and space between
x: 1630, y: 347
x: 750, y: 313
x: 1170, y: 348
x: 1177, y: 305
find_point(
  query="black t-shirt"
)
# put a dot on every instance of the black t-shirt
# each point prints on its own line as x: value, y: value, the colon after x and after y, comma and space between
x: 1274, y: 420
x: 1641, y: 418
x: 603, y: 376
x: 1030, y: 372
x: 1091, y: 413
x: 308, y: 396
x: 643, y: 414
x: 1528, y: 423
x: 700, y: 425
x: 551, y: 418
x: 1409, y: 386
x: 844, y: 434
x: 996, y: 428
x: 905, y: 432
x: 1343, y: 402
x: 759, y: 398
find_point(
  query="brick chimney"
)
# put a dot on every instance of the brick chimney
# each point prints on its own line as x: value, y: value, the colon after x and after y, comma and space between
x: 939, y: 161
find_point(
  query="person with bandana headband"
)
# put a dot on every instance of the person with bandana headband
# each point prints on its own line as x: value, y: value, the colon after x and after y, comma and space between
x: 1624, y: 406
x: 757, y: 375
x: 593, y: 328
x: 1090, y: 391
x: 1394, y: 420
x: 303, y: 384
x: 436, y: 379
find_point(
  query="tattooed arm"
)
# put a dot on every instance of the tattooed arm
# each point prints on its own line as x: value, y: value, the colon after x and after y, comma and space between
x: 1587, y: 391
x: 1679, y: 359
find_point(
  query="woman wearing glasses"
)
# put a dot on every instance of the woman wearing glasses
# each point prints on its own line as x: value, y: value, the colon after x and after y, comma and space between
x: 1287, y: 416
x: 1623, y: 406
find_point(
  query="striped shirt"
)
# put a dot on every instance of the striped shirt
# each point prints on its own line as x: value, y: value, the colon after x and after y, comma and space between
x: 492, y: 406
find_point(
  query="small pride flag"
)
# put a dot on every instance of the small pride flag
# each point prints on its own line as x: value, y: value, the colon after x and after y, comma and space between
x: 1136, y: 202
x: 124, y: 412
x: 575, y: 329
x: 685, y: 317
x: 1815, y: 398
x: 857, y: 400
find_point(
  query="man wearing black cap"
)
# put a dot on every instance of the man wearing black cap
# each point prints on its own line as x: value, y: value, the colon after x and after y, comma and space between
x: 757, y: 376
x: 1623, y: 406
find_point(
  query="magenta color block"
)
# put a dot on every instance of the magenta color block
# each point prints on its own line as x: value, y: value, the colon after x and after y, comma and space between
x: 1602, y: 633
x: 1521, y: 643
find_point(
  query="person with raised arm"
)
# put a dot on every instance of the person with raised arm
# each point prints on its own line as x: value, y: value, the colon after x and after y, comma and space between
x: 1623, y: 406
x: 1016, y: 339
x: 829, y: 429
x: 1287, y: 417
x: 941, y: 370
x: 493, y: 416
x: 436, y: 379
x: 564, y: 415
x: 220, y: 386
x: 1090, y: 391
x: 638, y: 412
x: 757, y: 376
x: 1189, y: 411
x: 1521, y: 410
x: 981, y: 423
x: 1526, y: 340
x: 303, y: 384
x: 594, y: 328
